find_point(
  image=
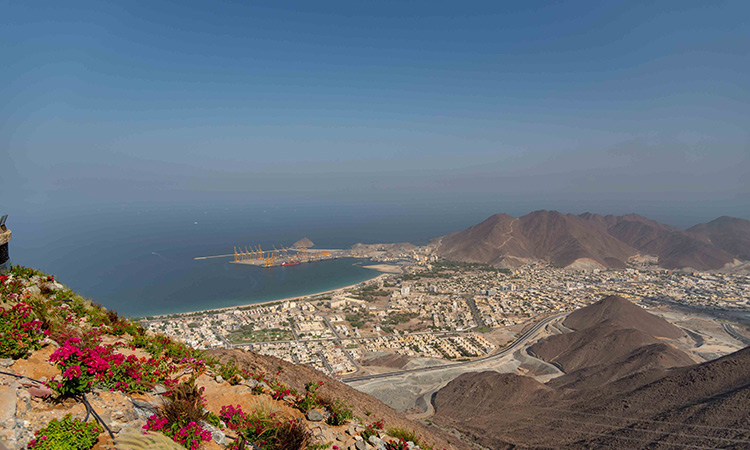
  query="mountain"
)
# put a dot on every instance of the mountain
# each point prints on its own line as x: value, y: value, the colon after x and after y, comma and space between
x: 560, y: 239
x: 611, y: 339
x: 303, y: 243
x: 646, y: 395
x: 727, y: 233
x: 675, y: 248
x: 624, y: 314
x: 596, y: 241
x: 700, y: 406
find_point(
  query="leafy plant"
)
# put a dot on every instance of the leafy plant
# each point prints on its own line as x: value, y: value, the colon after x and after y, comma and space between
x: 264, y: 430
x: 372, y: 430
x: 183, y: 404
x: 230, y: 373
x: 66, y: 434
x: 19, y: 333
x: 24, y: 272
x: 403, y: 434
x: 310, y: 399
x: 397, y: 445
x: 339, y: 412
x: 189, y: 435
x: 83, y: 365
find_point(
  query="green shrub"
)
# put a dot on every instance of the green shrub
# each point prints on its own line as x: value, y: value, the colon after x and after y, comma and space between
x: 403, y: 433
x: 66, y: 434
x: 310, y: 399
x: 230, y: 373
x: 24, y: 272
x: 340, y: 412
x: 19, y: 332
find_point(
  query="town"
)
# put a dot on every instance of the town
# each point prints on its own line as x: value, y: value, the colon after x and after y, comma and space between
x: 437, y: 309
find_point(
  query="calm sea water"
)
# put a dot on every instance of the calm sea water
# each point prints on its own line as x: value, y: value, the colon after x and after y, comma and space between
x: 141, y: 262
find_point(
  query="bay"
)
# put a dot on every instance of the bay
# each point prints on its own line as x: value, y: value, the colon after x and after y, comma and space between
x: 140, y: 261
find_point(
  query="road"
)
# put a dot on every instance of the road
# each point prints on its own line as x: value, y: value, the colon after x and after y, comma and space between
x: 506, y: 351
x: 343, y: 348
x: 732, y: 332
x: 475, y: 312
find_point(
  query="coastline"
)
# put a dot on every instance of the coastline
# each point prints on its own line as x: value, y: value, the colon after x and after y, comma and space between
x: 383, y: 274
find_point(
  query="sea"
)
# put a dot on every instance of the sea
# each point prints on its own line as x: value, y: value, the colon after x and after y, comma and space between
x: 140, y: 260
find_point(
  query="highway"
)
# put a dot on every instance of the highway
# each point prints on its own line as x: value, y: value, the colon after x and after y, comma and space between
x: 732, y: 332
x: 509, y: 349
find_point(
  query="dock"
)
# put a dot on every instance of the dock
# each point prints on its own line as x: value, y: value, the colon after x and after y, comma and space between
x: 256, y: 256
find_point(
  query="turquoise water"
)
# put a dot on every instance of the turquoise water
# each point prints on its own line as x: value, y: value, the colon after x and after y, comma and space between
x: 141, y: 262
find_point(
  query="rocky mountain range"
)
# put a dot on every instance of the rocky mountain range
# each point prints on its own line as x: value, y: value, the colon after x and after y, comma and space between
x: 625, y: 386
x: 594, y: 241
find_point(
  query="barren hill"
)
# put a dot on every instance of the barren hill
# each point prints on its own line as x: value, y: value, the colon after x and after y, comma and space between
x: 303, y: 243
x: 611, y: 338
x: 363, y: 405
x: 729, y: 234
x: 591, y: 240
x: 698, y: 406
x: 617, y: 374
x: 625, y: 314
x: 675, y: 248
x: 561, y: 239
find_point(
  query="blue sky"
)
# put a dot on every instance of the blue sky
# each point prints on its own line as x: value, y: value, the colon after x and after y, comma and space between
x: 611, y: 107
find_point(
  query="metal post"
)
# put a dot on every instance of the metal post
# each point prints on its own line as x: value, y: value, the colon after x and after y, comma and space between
x: 4, y: 240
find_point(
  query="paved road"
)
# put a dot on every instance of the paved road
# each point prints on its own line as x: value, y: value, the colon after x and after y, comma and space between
x: 475, y: 312
x: 732, y: 332
x: 343, y: 347
x: 512, y: 347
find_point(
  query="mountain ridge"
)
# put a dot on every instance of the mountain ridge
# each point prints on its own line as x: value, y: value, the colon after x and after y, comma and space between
x: 594, y: 241
x: 650, y: 396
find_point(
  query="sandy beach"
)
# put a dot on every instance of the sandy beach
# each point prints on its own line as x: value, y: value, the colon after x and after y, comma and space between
x: 287, y: 299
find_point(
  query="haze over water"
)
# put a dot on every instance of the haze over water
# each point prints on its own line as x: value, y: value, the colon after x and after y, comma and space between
x: 122, y: 123
x: 141, y: 261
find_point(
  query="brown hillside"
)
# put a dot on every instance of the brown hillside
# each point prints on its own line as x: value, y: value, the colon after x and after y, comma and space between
x: 590, y: 239
x: 560, y: 239
x: 363, y: 405
x: 648, y: 361
x: 729, y: 234
x: 675, y: 248
x: 602, y: 344
x: 625, y: 314
x: 488, y: 242
x: 699, y: 406
x: 473, y: 402
x: 624, y: 389
x: 303, y: 243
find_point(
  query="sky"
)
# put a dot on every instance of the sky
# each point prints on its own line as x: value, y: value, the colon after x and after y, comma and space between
x: 432, y: 107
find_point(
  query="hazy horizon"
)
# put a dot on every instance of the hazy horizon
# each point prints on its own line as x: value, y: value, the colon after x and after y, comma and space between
x: 431, y: 109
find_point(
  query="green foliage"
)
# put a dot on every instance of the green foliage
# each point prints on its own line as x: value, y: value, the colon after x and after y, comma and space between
x: 404, y: 436
x: 230, y: 373
x: 319, y: 446
x: 340, y: 412
x: 183, y: 404
x: 403, y: 433
x: 19, y: 331
x: 397, y: 318
x: 24, y: 272
x: 356, y: 320
x: 370, y: 293
x: 310, y: 399
x: 66, y: 434
x: 264, y: 430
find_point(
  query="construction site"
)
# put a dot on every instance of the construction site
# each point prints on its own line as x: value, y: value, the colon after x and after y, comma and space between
x: 256, y: 256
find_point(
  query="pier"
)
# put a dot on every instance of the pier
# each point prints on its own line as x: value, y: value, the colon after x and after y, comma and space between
x: 256, y: 256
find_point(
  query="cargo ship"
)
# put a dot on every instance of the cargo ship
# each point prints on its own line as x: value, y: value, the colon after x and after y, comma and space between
x: 291, y: 263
